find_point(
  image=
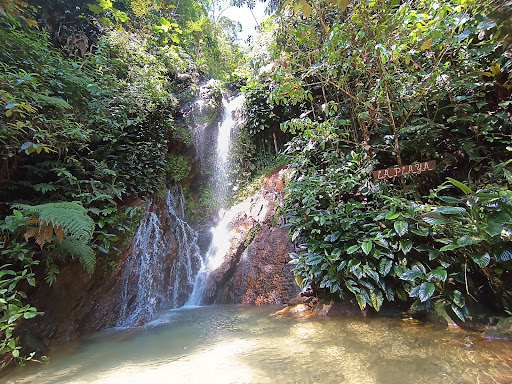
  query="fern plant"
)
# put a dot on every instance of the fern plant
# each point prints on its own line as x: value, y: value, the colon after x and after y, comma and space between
x: 68, y: 222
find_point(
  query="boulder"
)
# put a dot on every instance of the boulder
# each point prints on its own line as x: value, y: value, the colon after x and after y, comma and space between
x: 502, y: 330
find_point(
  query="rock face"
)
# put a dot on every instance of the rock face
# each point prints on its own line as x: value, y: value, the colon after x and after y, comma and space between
x: 255, y: 268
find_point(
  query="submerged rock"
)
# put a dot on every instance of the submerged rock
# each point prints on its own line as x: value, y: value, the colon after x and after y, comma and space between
x: 502, y: 330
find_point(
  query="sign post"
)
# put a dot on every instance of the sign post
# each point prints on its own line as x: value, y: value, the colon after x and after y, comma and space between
x: 413, y: 169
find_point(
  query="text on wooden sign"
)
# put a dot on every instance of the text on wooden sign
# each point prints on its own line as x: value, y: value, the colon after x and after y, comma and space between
x: 412, y: 169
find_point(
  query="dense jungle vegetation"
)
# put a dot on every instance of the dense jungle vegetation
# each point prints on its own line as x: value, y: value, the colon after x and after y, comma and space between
x: 91, y: 121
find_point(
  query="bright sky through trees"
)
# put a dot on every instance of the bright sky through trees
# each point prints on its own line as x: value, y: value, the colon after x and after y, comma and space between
x: 245, y: 17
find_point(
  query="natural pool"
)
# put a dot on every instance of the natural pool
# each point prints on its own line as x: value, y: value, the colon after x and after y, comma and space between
x: 245, y: 344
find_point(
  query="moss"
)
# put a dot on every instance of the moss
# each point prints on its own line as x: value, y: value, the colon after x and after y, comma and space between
x: 252, y: 234
x: 277, y: 216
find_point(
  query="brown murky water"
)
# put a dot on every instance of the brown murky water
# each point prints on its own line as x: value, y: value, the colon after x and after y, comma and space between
x: 244, y: 344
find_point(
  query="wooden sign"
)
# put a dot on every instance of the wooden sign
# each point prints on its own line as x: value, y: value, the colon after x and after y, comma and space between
x: 412, y: 169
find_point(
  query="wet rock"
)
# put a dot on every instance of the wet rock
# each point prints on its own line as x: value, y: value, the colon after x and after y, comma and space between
x: 255, y: 269
x: 336, y: 308
x: 299, y: 310
x: 502, y: 330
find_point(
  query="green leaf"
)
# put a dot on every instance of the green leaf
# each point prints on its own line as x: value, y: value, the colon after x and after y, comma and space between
x: 450, y: 247
x: 504, y: 255
x: 426, y: 291
x: 457, y: 298
x: 352, y: 286
x: 405, y: 246
x: 333, y: 237
x: 95, y: 8
x: 385, y: 266
x: 460, y: 185
x: 493, y: 229
x: 458, y: 312
x: 392, y: 216
x: 377, y: 299
x: 481, y: 258
x: 433, y: 218
x: 424, y: 232
x: 411, y: 275
x: 467, y: 240
x: 361, y: 301
x: 367, y: 246
x: 439, y: 274
x: 450, y: 199
x: 352, y: 249
x: 450, y: 210
x: 30, y: 315
x: 313, y: 259
x: 401, y: 227
x: 343, y: 4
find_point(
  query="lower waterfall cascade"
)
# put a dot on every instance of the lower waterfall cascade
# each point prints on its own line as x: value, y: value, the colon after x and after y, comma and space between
x: 150, y: 286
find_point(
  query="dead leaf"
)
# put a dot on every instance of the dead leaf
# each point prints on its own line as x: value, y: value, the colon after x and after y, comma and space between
x: 495, y: 69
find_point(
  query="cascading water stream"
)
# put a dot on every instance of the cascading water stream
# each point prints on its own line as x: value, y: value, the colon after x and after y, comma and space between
x: 219, y: 245
x: 160, y: 271
x: 165, y: 269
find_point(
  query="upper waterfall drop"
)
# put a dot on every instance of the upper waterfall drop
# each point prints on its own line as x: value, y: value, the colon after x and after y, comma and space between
x: 220, y: 241
x: 221, y: 180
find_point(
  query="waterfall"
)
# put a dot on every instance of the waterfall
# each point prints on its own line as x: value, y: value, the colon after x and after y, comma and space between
x: 159, y: 273
x: 222, y: 166
x: 164, y: 268
x: 219, y: 245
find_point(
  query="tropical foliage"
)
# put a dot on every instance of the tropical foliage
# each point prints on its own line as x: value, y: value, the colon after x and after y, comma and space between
x: 382, y: 84
x: 90, y: 94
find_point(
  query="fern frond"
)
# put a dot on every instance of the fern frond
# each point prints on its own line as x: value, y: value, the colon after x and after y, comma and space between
x: 54, y: 101
x: 72, y: 217
x: 82, y: 252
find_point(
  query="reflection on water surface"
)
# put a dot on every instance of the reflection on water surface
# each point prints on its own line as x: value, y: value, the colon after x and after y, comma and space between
x: 244, y: 344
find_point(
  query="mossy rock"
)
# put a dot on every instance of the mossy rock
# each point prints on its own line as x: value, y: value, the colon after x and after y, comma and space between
x: 502, y: 330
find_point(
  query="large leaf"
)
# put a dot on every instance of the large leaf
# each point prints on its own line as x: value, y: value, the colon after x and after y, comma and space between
x: 450, y: 199
x: 361, y: 301
x: 401, y: 227
x: 467, y: 240
x: 503, y: 255
x: 481, y: 258
x: 405, y: 246
x: 426, y: 291
x: 343, y: 4
x: 464, y: 188
x: 450, y: 210
x: 457, y: 298
x: 385, y: 266
x: 367, y: 246
x: 450, y: 247
x: 433, y: 218
x: 458, y: 311
x: 439, y: 274
x: 352, y: 249
x: 411, y: 274
x: 377, y: 299
x: 493, y: 229
x: 313, y: 259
